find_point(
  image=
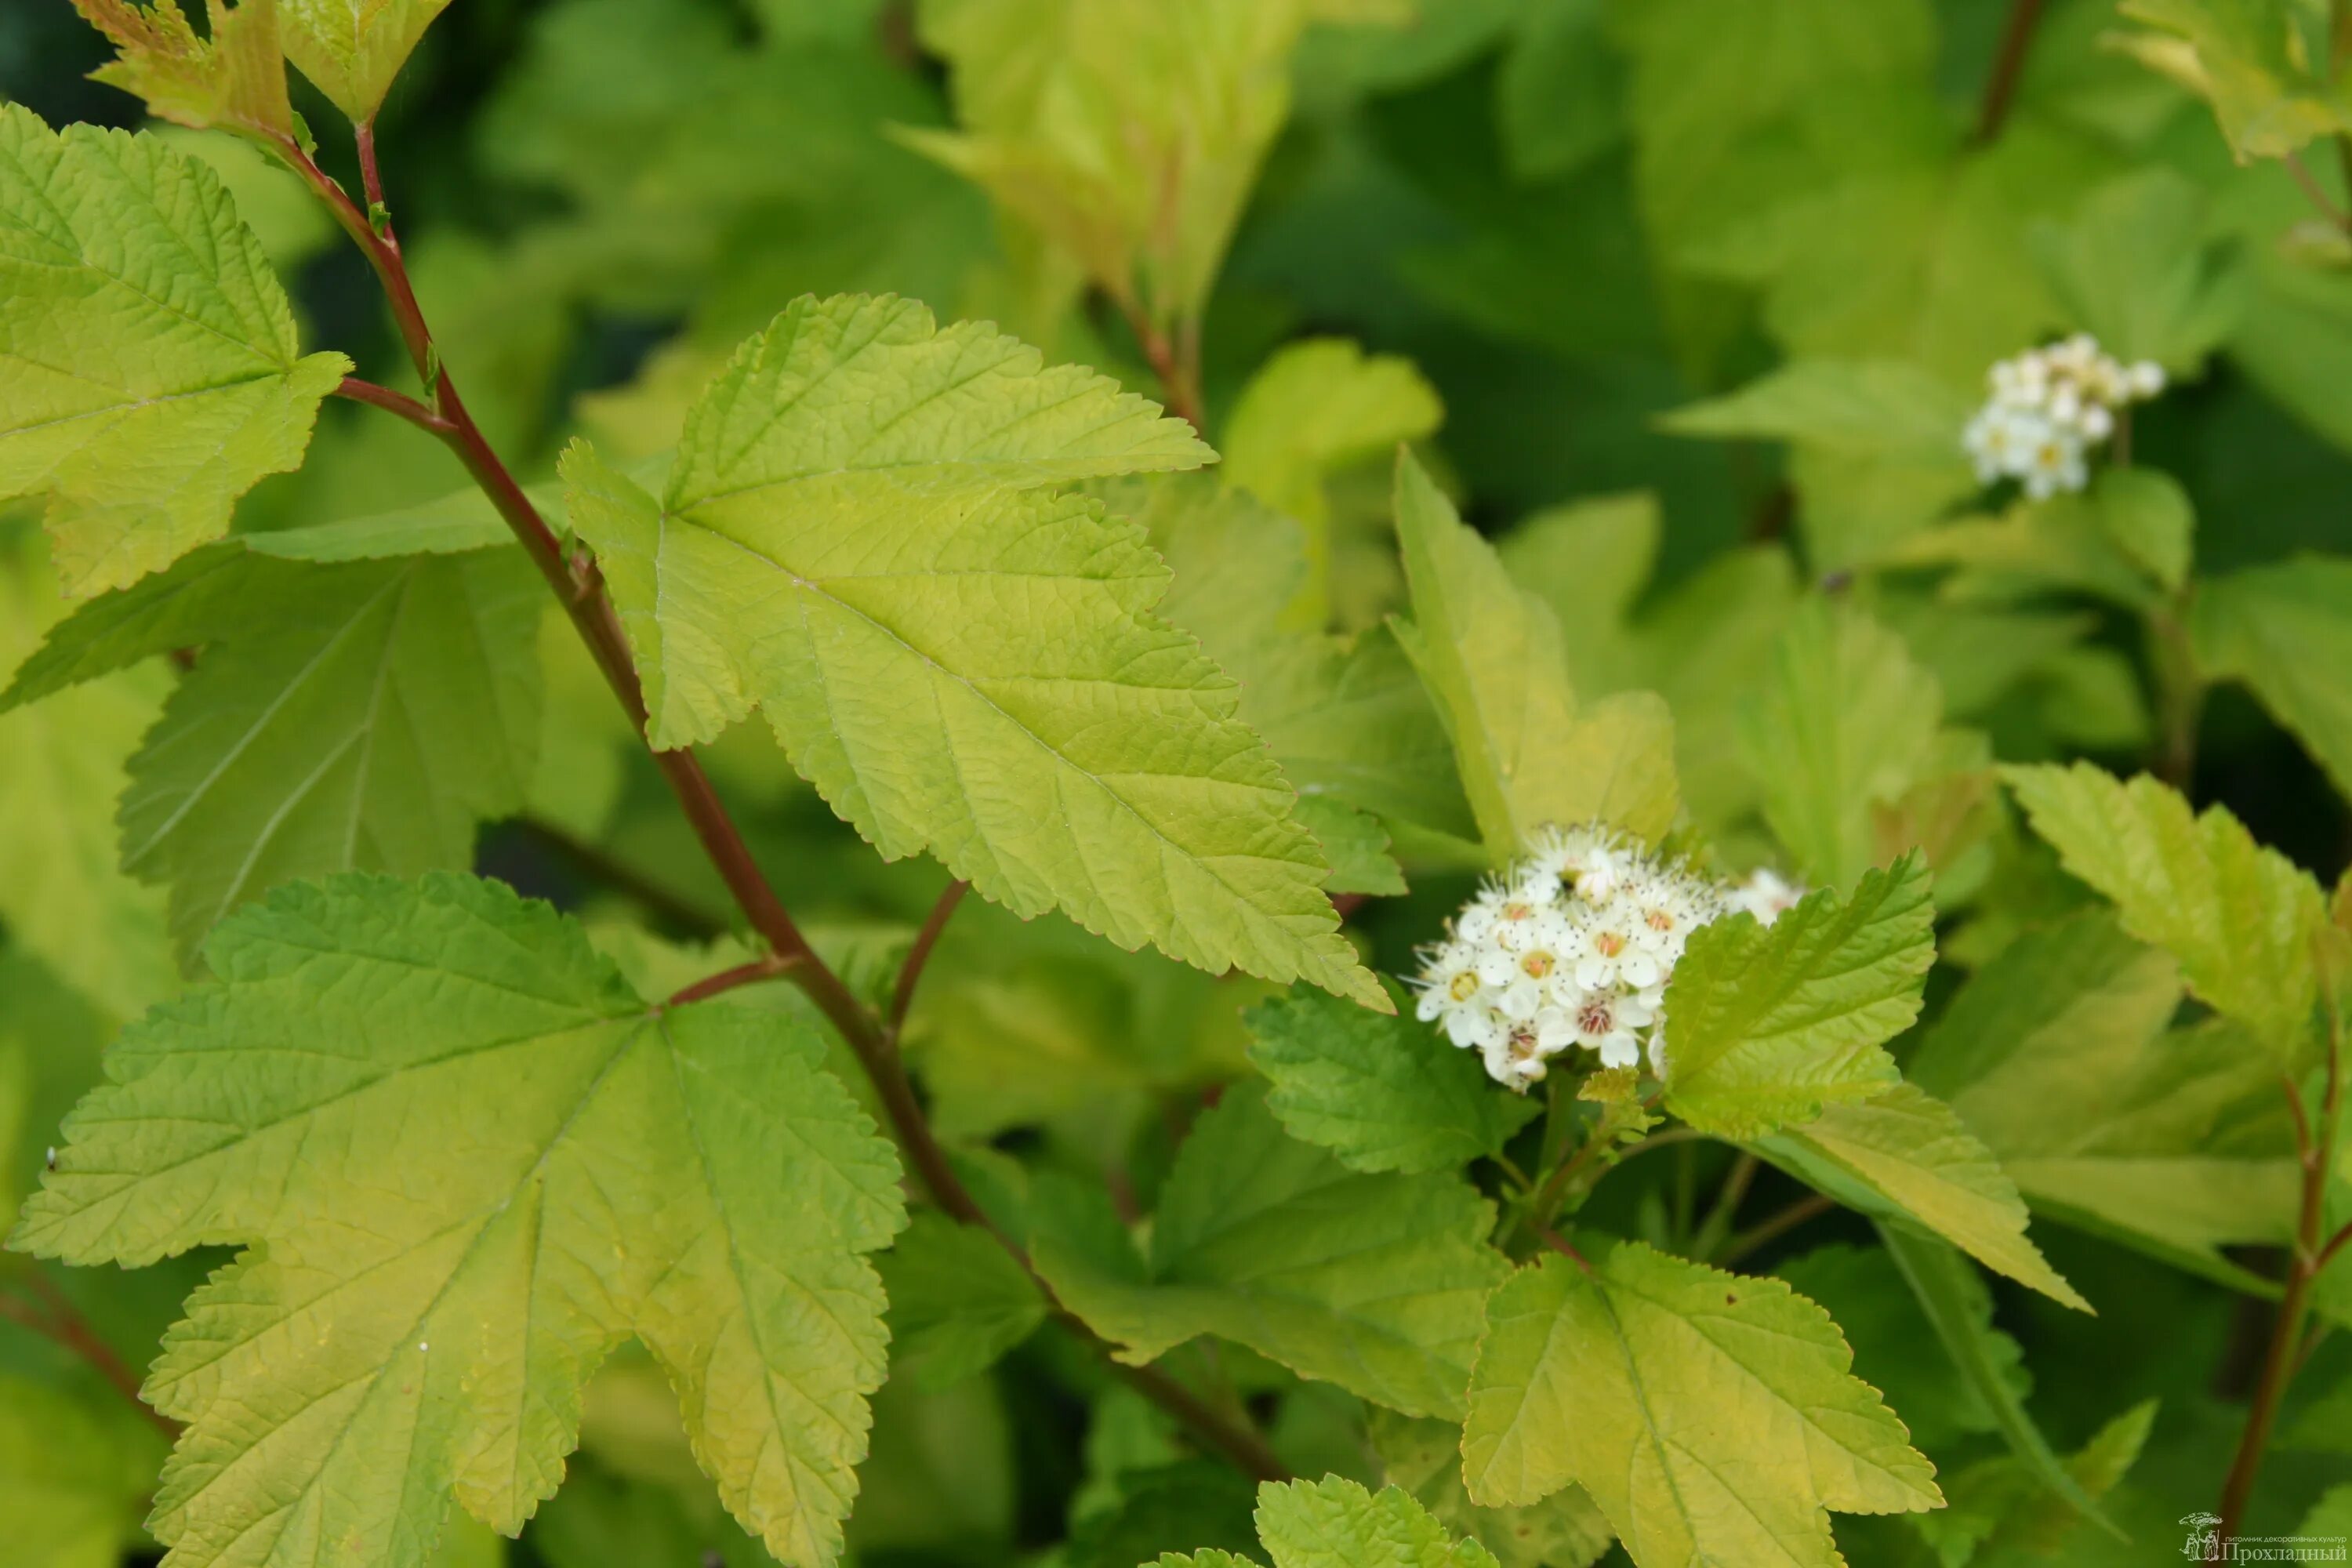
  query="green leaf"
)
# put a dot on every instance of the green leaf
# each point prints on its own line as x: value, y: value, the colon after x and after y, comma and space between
x: 2148, y: 517
x: 1424, y: 1457
x: 1883, y: 408
x: 1617, y: 1373
x: 376, y: 719
x: 1336, y: 1523
x: 958, y: 1301
x: 1766, y: 1025
x: 2241, y: 919
x: 1844, y: 721
x: 1350, y: 722
x: 2249, y: 60
x: 1382, y: 1093
x: 1490, y: 653
x: 2286, y: 631
x: 1314, y: 408
x: 1909, y: 1156
x: 1998, y: 1506
x: 231, y: 76
x: 1556, y: 96
x: 2057, y: 1055
x: 2132, y: 269
x: 71, y: 1485
x: 1875, y: 1308
x: 351, y: 49
x: 358, y: 716
x: 1372, y: 1282
x: 859, y: 533
x: 60, y: 893
x: 153, y: 374
x: 2331, y: 1516
x: 1128, y: 135
x: 488, y: 1163
x: 1590, y: 560
x: 1952, y: 1296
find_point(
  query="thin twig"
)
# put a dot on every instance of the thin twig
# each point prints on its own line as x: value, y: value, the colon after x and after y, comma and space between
x: 58, y: 1320
x: 1179, y: 380
x: 2314, y: 1145
x: 2316, y: 192
x: 767, y: 966
x: 398, y: 403
x: 1772, y: 1227
x: 2009, y: 64
x: 910, y: 972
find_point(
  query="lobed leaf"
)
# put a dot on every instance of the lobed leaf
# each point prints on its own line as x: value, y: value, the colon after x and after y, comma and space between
x: 2241, y: 919
x: 1338, y: 1523
x: 468, y: 1162
x: 232, y: 76
x: 361, y: 713
x: 1620, y: 1371
x: 859, y: 533
x: 153, y: 372
x: 1371, y: 1282
x: 1766, y: 1025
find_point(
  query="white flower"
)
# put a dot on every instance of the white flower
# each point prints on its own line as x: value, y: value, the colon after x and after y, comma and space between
x: 2047, y: 408
x: 1573, y: 946
x: 1765, y: 893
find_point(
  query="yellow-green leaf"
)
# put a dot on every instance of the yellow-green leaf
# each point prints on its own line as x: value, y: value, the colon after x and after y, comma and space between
x: 860, y: 534
x: 1490, y: 653
x: 2242, y: 919
x: 1766, y: 1025
x: 1909, y: 1153
x: 468, y: 1162
x: 149, y: 371
x: 1712, y: 1417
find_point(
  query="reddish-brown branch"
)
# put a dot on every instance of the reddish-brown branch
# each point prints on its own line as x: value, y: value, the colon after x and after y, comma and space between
x: 1176, y: 369
x: 2315, y: 1146
x: 2009, y: 64
x: 58, y: 1320
x: 398, y: 403
x: 767, y: 966
x: 911, y: 972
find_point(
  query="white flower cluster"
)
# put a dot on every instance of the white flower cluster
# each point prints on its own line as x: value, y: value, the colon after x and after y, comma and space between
x: 1573, y: 946
x: 2048, y: 408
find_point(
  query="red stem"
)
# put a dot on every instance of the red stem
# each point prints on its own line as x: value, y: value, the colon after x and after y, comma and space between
x: 911, y: 972
x: 2009, y: 64
x: 2310, y: 1256
x: 767, y: 966
x: 398, y: 403
x: 63, y: 1324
